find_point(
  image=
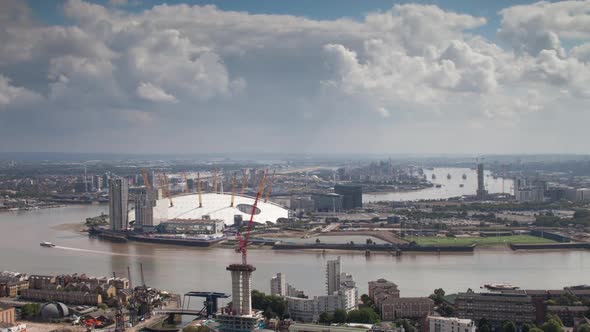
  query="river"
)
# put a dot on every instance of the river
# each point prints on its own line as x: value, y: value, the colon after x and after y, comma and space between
x: 449, y: 187
x: 181, y: 269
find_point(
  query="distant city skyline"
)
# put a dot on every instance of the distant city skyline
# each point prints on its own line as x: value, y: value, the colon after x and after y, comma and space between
x: 330, y: 77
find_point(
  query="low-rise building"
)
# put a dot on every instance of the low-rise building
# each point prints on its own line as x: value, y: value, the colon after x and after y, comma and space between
x: 569, y: 315
x: 40, y: 281
x: 406, y: 307
x: 514, y: 306
x: 323, y: 328
x: 6, y: 327
x: 7, y: 314
x: 69, y: 297
x: 450, y: 324
x: 12, y: 288
x: 381, y: 289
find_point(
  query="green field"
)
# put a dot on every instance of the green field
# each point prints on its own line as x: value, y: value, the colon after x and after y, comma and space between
x: 463, y: 241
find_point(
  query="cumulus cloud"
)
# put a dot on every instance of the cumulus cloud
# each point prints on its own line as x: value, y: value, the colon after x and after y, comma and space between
x: 411, y: 64
x: 15, y: 96
x: 151, y: 92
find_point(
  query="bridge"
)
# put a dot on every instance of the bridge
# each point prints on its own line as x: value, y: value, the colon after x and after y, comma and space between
x: 177, y: 311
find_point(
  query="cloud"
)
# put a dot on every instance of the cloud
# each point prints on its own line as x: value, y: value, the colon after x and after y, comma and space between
x: 151, y: 92
x: 15, y: 96
x: 389, y: 74
x: 540, y: 26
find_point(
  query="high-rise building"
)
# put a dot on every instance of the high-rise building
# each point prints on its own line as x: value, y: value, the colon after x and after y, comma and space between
x: 241, y: 318
x: 278, y: 285
x: 118, y: 199
x: 333, y: 276
x: 241, y: 277
x: 145, y: 202
x: 352, y: 195
x: 481, y: 190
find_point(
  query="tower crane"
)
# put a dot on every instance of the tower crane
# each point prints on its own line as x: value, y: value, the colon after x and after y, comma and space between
x: 233, y: 190
x: 145, y: 179
x: 199, y: 189
x: 243, y: 240
x: 185, y: 183
x: 167, y: 185
x: 244, y: 181
x: 215, y: 182
x: 269, y: 186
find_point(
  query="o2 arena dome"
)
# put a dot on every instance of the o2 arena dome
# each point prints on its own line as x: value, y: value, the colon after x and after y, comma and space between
x: 216, y: 206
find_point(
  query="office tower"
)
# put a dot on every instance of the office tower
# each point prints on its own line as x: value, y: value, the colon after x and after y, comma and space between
x: 352, y: 195
x: 481, y: 190
x: 118, y: 198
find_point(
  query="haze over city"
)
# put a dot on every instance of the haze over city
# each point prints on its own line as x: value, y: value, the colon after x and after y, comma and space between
x: 303, y: 77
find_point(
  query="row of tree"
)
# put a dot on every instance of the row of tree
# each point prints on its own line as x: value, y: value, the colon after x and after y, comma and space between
x: 340, y: 316
x: 553, y: 324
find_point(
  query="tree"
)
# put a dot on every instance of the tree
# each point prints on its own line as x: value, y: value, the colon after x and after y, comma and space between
x: 535, y: 329
x: 340, y: 316
x: 317, y: 240
x: 369, y: 242
x: 508, y: 326
x: 102, y: 306
x: 584, y: 328
x: 325, y: 318
x: 190, y: 329
x: 552, y: 325
x: 30, y: 310
x: 364, y: 315
x: 483, y: 325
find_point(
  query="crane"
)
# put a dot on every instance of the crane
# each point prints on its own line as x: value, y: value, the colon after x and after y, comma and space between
x: 244, y: 240
x: 215, y: 182
x: 167, y: 184
x: 161, y: 185
x: 269, y: 186
x: 199, y: 189
x: 233, y: 190
x: 185, y: 183
x: 244, y: 181
x: 146, y: 181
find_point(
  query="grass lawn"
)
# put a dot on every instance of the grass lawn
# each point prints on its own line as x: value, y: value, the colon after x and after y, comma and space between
x: 462, y: 241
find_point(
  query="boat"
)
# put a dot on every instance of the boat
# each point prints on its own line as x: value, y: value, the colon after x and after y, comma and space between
x: 464, y: 176
x: 449, y: 176
x: 47, y: 244
x: 500, y: 286
x: 439, y: 185
x: 461, y: 185
x: 433, y: 176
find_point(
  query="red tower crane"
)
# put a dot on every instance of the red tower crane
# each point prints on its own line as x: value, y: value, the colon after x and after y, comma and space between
x: 243, y: 240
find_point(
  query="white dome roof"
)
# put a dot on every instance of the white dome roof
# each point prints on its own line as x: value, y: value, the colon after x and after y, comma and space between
x: 217, y: 206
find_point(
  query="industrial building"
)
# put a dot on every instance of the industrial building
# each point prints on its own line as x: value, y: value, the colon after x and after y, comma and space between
x: 352, y: 195
x: 118, y: 200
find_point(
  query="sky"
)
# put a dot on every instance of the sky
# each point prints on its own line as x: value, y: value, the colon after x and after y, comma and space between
x: 317, y: 77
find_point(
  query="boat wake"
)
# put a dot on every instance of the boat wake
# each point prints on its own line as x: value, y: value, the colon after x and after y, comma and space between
x: 110, y: 253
